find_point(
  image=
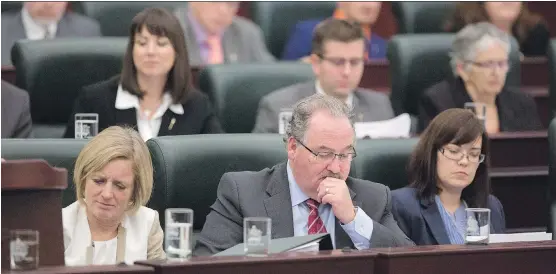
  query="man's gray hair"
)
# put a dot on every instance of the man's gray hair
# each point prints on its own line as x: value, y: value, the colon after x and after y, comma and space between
x: 305, y: 108
x: 474, y: 38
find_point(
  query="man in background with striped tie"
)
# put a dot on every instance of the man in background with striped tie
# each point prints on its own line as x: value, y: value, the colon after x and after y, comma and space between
x: 311, y: 192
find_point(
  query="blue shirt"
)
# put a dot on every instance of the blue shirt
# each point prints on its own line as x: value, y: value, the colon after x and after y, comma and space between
x: 455, y: 225
x: 359, y: 230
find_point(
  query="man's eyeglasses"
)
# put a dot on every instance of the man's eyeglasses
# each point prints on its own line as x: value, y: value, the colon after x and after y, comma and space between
x: 328, y: 156
x: 457, y: 155
x: 341, y: 62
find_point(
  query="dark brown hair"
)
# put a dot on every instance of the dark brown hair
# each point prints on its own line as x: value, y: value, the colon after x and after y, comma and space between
x: 159, y: 22
x: 335, y: 30
x: 474, y: 12
x: 452, y: 126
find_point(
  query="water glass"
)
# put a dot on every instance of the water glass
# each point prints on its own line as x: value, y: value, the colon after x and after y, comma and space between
x: 86, y: 125
x: 256, y: 236
x: 178, y: 233
x: 478, y: 226
x: 284, y: 118
x: 24, y: 249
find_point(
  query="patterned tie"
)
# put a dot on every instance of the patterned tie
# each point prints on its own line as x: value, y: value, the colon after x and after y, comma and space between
x: 47, y: 33
x: 314, y: 223
x: 215, y: 53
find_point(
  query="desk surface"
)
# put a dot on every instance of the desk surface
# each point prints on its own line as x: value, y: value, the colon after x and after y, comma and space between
x: 323, y: 262
x: 130, y: 269
x: 506, y: 258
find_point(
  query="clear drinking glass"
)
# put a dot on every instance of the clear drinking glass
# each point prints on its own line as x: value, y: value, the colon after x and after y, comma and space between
x: 24, y: 249
x: 479, y: 109
x: 86, y: 125
x: 256, y: 236
x: 478, y: 226
x: 178, y: 233
x: 284, y: 118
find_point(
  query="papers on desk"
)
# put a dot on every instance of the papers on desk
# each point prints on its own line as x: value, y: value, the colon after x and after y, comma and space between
x: 301, y: 243
x: 520, y: 237
x: 397, y: 127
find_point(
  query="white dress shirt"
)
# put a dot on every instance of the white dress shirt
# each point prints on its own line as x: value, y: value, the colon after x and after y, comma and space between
x: 36, y: 30
x: 78, y: 240
x: 348, y: 101
x: 104, y: 252
x: 359, y: 230
x: 148, y: 128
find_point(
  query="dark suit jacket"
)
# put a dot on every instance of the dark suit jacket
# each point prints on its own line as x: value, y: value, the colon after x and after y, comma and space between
x: 198, y: 117
x: 516, y: 110
x: 16, y: 116
x: 299, y: 43
x: 266, y: 193
x: 70, y: 25
x: 421, y: 220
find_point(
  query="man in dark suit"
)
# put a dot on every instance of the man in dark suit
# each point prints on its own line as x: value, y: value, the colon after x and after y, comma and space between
x: 16, y: 116
x: 337, y: 59
x: 364, y: 13
x: 215, y: 34
x: 310, y: 193
x: 43, y: 20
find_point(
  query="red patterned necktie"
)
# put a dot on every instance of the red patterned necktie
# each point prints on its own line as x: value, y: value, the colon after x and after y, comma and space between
x: 314, y: 224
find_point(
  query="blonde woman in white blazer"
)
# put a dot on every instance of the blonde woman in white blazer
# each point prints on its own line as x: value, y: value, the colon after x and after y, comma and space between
x: 109, y: 224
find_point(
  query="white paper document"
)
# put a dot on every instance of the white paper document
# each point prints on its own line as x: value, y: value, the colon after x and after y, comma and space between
x: 397, y: 127
x: 312, y: 246
x: 520, y: 237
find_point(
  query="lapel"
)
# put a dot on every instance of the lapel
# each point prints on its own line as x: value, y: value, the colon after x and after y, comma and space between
x: 341, y: 238
x: 125, y: 117
x: 278, y: 203
x: 230, y: 45
x: 64, y: 28
x: 190, y: 40
x: 169, y: 119
x: 19, y: 30
x: 358, y: 108
x: 432, y: 217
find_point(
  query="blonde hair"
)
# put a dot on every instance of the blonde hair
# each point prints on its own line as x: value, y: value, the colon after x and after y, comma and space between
x: 111, y: 144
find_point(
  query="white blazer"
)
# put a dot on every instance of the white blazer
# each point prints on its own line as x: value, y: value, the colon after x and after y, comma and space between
x: 140, y: 236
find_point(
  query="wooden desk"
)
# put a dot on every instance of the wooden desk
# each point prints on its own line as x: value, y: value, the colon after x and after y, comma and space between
x: 34, y: 190
x: 504, y: 258
x: 519, y: 177
x: 128, y: 269
x: 323, y: 262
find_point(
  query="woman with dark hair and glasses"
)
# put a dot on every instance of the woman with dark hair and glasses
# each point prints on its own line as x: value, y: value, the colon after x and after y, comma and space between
x: 448, y: 172
x: 153, y: 94
x: 479, y: 59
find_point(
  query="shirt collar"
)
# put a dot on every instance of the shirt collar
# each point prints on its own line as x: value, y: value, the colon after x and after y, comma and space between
x: 126, y: 100
x: 33, y: 26
x: 297, y: 195
x: 348, y: 101
x: 200, y: 34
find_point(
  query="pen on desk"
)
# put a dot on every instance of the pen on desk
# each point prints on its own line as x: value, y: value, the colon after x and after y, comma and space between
x: 172, y: 122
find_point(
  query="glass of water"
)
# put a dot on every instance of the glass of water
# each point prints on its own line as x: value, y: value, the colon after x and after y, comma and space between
x: 24, y: 249
x: 479, y: 109
x: 86, y: 125
x: 256, y: 236
x: 178, y: 233
x: 478, y: 226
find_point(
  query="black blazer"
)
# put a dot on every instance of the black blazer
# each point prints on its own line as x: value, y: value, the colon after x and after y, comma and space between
x: 420, y: 220
x: 198, y: 116
x: 516, y: 110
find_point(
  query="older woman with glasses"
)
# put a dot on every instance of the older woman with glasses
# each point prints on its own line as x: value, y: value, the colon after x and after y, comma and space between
x: 479, y: 62
x: 448, y: 172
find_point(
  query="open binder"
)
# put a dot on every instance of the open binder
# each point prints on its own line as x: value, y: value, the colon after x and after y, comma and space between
x: 301, y: 243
